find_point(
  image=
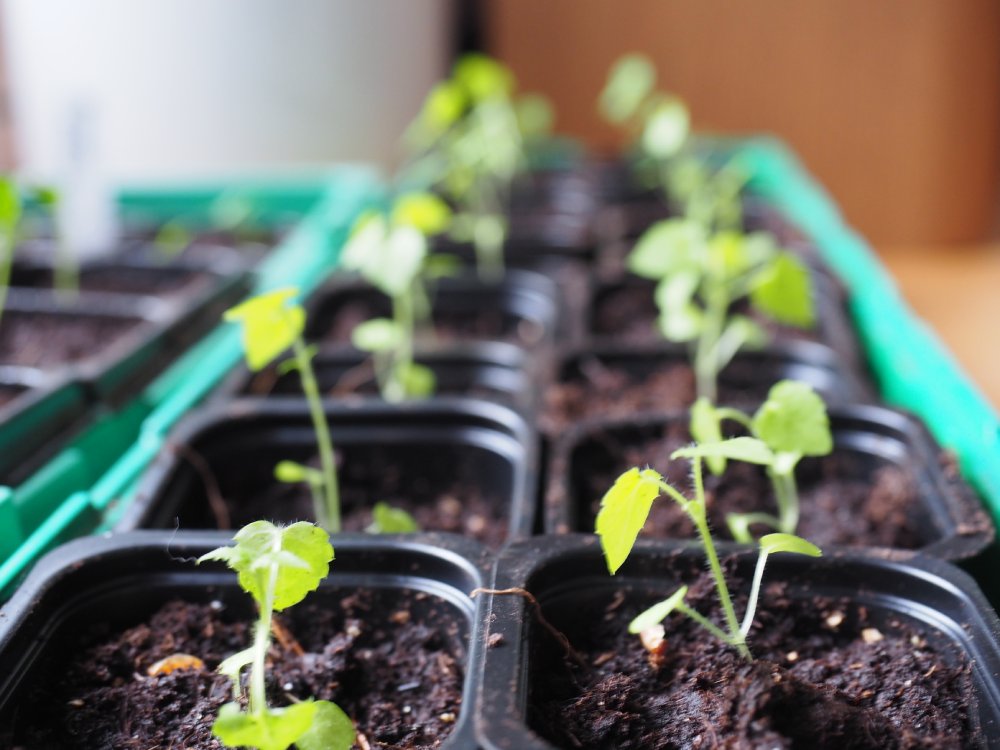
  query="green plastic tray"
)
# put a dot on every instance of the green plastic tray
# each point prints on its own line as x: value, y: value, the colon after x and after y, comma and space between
x: 79, y: 491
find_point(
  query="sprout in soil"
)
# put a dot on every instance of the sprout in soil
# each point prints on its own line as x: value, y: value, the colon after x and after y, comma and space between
x: 700, y: 278
x: 470, y: 139
x: 278, y: 566
x: 10, y: 216
x: 790, y: 424
x: 390, y: 252
x: 623, y: 513
x: 67, y: 266
x: 232, y: 212
x: 272, y: 323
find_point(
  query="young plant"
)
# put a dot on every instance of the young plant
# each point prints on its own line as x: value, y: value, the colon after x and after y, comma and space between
x: 790, y: 424
x: 624, y: 510
x: 471, y: 135
x: 10, y: 217
x: 66, y: 277
x: 391, y: 252
x: 278, y: 567
x: 701, y: 276
x: 273, y: 323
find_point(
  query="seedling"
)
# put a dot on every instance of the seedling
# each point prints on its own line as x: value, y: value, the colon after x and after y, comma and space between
x: 701, y: 276
x: 10, y: 216
x: 472, y: 132
x: 391, y: 252
x: 271, y: 324
x: 278, y: 566
x: 66, y: 277
x: 624, y: 510
x: 792, y: 423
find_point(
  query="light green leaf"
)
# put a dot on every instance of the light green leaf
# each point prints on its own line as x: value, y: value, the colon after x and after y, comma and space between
x: 443, y: 107
x: 666, y: 129
x: 230, y: 211
x: 425, y: 211
x: 377, y: 335
x: 739, y: 524
x: 658, y: 612
x: 630, y: 80
x: 778, y: 542
x: 418, y: 380
x: 482, y: 77
x: 233, y: 665
x: 784, y: 292
x: 668, y: 247
x: 292, y: 472
x: 389, y: 258
x: 680, y: 319
x: 535, y: 115
x: 706, y: 428
x: 271, y: 323
x: 794, y: 420
x: 750, y: 450
x: 10, y: 205
x: 271, y: 729
x: 623, y: 513
x: 331, y: 729
x: 389, y: 520
x: 442, y: 265
x: 261, y: 542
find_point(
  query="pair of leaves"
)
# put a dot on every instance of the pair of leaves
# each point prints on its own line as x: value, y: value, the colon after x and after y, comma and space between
x: 271, y: 323
x: 389, y: 257
x: 310, y: 725
x: 791, y: 423
x: 300, y: 553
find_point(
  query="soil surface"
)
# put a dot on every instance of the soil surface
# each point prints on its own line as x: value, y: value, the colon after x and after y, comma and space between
x: 627, y: 312
x: 450, y: 326
x: 125, y: 280
x: 846, y: 498
x: 597, y: 389
x: 391, y: 658
x: 441, y: 493
x: 43, y: 340
x: 825, y: 676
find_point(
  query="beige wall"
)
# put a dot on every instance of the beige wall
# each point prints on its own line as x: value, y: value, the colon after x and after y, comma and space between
x: 894, y: 104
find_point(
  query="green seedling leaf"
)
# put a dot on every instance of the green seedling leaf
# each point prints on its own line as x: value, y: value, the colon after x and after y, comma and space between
x: 271, y: 323
x: 630, y: 80
x: 739, y: 524
x: 230, y: 211
x: 425, y: 211
x: 389, y: 258
x: 171, y: 238
x: 624, y: 510
x: 794, y: 420
x: 706, y: 429
x: 442, y: 265
x: 784, y: 292
x: 389, y: 520
x: 301, y: 552
x: 482, y: 77
x: 443, y: 107
x: 10, y: 206
x: 773, y: 543
x: 666, y: 129
x: 535, y: 115
x: 658, y: 612
x: 268, y: 729
x: 418, y: 380
x: 292, y: 473
x: 331, y: 729
x: 750, y: 450
x: 233, y: 665
x: 668, y: 247
x: 680, y: 319
x: 377, y: 335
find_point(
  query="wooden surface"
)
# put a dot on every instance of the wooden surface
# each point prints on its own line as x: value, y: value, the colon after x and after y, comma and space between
x: 957, y: 293
x: 893, y: 104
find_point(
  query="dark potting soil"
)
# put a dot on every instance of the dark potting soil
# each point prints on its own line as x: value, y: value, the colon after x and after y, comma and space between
x: 846, y: 498
x: 42, y: 340
x: 138, y: 280
x: 601, y: 390
x: 391, y: 658
x: 458, y: 505
x: 825, y: 676
x: 628, y: 313
x: 484, y: 323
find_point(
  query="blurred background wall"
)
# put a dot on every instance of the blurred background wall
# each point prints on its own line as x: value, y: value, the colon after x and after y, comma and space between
x: 894, y: 104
